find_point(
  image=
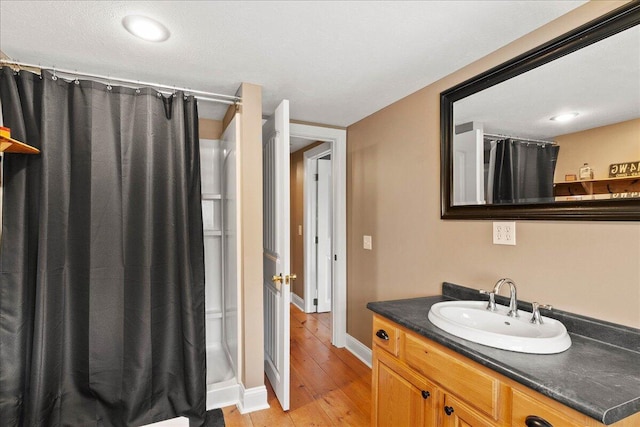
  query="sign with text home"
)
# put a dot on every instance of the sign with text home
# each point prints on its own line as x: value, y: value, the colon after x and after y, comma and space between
x: 619, y: 170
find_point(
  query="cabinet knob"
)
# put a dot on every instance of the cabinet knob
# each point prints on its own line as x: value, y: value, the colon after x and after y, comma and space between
x: 535, y: 421
x: 425, y: 394
x: 382, y: 334
x: 448, y: 410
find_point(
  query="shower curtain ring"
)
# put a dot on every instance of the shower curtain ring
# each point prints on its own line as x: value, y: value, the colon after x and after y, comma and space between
x: 54, y: 77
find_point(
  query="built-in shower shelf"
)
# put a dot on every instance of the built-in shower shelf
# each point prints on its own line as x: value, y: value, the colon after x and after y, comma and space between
x: 211, y: 196
x: 213, y: 314
x: 212, y: 233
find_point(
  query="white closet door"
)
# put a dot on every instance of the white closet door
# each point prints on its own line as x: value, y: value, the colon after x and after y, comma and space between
x: 324, y: 250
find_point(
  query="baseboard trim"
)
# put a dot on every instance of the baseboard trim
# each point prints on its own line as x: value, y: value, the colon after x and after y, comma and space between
x: 253, y: 399
x: 297, y: 301
x: 359, y: 350
x: 223, y: 394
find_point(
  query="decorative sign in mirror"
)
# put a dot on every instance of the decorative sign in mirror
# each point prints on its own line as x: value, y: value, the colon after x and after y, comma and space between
x: 551, y: 134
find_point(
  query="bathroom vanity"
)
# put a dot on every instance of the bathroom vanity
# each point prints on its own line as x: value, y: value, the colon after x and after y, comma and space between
x: 423, y: 376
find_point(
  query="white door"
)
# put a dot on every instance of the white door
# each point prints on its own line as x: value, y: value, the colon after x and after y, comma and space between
x: 468, y: 164
x: 277, y: 277
x: 323, y: 232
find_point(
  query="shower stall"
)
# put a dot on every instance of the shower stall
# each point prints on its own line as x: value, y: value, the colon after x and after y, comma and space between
x: 219, y: 213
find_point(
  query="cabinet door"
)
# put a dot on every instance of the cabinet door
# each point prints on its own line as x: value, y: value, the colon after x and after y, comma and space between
x: 400, y: 398
x: 457, y: 414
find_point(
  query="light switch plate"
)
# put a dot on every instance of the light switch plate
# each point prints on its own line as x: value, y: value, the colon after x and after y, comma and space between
x: 367, y: 242
x: 504, y: 233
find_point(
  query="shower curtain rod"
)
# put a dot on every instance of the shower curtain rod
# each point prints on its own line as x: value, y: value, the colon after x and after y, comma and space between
x: 204, y: 96
x: 498, y: 136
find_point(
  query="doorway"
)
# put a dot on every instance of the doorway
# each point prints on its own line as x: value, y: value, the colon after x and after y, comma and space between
x: 329, y: 255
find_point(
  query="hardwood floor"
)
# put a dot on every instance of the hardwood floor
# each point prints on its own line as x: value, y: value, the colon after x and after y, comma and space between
x: 329, y: 385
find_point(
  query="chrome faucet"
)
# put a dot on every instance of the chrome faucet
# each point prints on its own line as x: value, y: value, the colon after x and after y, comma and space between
x: 536, y: 318
x: 513, y: 297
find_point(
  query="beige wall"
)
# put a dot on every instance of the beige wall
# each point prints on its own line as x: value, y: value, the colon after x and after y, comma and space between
x: 297, y: 217
x: 600, y: 147
x: 296, y: 191
x: 393, y: 194
x: 210, y: 129
x: 250, y: 205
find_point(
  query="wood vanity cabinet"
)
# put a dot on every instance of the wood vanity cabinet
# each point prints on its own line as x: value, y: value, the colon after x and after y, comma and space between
x: 414, y: 382
x: 403, y: 398
x: 418, y: 382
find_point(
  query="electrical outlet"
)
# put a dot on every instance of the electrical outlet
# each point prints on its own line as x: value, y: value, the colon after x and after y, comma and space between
x: 504, y: 233
x: 367, y: 242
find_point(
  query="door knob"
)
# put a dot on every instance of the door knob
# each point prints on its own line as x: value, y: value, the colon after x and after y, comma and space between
x: 277, y: 281
x: 290, y: 278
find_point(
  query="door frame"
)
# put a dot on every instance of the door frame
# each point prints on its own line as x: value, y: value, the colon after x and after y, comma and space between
x: 310, y: 206
x: 337, y: 138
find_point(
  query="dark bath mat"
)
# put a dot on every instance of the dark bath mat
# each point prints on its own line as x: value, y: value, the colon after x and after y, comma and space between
x: 214, y: 418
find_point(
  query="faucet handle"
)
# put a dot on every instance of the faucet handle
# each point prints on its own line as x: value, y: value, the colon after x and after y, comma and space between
x: 536, y: 318
x: 491, y: 306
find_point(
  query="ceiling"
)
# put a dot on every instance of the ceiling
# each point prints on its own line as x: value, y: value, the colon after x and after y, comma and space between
x: 336, y: 61
x: 600, y: 82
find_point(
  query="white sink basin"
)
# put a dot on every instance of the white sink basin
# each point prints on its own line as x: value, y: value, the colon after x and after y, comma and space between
x: 472, y: 321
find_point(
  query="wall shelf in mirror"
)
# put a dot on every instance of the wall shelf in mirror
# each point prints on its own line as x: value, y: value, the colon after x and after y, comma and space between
x: 493, y: 179
x: 10, y: 145
x: 619, y: 188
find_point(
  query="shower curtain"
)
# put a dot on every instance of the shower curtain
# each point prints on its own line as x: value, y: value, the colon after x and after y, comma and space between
x: 522, y: 172
x: 101, y: 259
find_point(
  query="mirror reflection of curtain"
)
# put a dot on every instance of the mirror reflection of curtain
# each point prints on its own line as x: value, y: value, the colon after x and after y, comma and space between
x: 101, y: 259
x: 521, y: 172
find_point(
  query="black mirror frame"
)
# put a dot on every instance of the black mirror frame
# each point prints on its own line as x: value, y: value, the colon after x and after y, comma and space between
x: 612, y: 23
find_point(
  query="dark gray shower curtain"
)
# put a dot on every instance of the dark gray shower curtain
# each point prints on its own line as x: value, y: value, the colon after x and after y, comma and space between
x: 101, y: 259
x: 524, y: 172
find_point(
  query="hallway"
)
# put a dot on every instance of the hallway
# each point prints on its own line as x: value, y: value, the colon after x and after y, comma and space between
x: 329, y: 385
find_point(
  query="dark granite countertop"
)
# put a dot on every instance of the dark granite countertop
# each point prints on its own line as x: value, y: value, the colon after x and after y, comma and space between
x: 599, y: 375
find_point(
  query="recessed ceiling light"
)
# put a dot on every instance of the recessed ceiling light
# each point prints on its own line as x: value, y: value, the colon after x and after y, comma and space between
x: 564, y: 117
x: 145, y: 28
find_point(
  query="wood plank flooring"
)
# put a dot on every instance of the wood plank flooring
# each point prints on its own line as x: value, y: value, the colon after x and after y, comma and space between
x: 329, y: 385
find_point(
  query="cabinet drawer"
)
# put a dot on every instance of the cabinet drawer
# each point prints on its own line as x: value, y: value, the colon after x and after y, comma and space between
x: 524, y: 406
x: 385, y: 335
x: 475, y: 387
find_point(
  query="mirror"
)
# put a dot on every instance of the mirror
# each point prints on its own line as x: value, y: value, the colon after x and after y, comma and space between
x: 505, y: 154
